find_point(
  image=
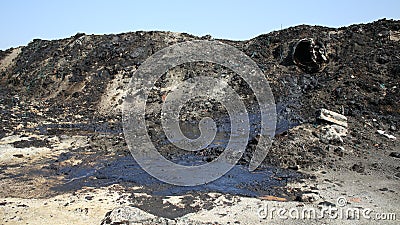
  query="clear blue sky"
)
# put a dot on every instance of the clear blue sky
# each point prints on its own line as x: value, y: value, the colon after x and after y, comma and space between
x: 23, y: 20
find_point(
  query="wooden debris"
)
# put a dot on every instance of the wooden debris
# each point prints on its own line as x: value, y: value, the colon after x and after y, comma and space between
x: 273, y: 198
x: 333, y: 117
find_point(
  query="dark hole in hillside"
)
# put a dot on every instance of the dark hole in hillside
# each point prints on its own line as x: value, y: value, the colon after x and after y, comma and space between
x: 310, y: 55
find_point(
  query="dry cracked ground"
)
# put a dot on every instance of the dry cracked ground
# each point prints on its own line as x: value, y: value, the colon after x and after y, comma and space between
x: 64, y: 158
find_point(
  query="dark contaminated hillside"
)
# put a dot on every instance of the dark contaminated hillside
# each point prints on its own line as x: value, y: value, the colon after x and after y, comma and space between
x: 58, y: 70
x: 81, y: 79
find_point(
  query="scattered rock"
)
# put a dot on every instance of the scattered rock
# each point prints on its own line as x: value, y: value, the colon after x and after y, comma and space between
x: 31, y: 143
x: 326, y: 204
x: 308, y: 197
x: 340, y: 151
x: 381, y: 132
x: 18, y: 155
x: 395, y: 154
x: 332, y: 134
x: 90, y: 197
x: 358, y: 167
x: 296, y: 167
x: 394, y: 35
x: 126, y: 215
